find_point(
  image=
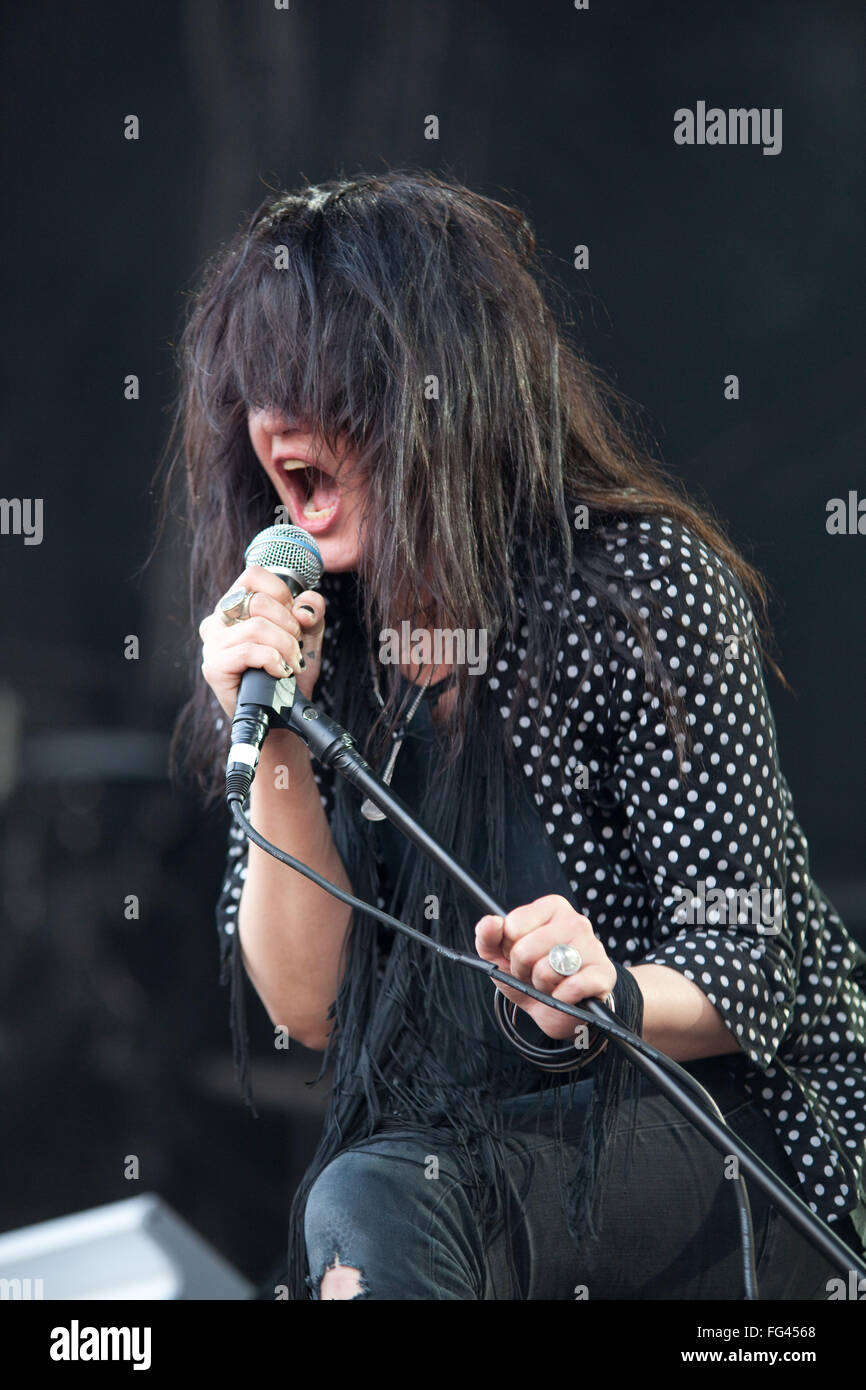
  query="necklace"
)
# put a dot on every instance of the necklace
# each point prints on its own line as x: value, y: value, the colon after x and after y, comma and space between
x: 368, y: 809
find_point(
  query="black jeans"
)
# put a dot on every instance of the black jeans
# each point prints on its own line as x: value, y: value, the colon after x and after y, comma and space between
x: 395, y: 1208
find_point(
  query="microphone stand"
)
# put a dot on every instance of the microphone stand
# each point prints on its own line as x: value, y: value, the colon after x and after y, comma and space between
x: 334, y: 747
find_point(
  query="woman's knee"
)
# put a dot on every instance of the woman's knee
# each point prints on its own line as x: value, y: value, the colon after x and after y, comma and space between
x: 377, y: 1221
x: 336, y: 1226
x: 339, y: 1200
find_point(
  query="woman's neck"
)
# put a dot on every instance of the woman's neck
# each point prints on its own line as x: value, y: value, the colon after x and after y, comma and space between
x: 421, y: 674
x: 416, y: 671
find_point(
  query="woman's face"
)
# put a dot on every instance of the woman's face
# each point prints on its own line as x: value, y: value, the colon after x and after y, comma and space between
x: 302, y: 469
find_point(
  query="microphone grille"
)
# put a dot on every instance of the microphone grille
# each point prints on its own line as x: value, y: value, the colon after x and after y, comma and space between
x: 288, y: 548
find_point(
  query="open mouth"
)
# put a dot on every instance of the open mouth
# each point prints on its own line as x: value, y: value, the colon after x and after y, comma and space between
x: 313, y: 493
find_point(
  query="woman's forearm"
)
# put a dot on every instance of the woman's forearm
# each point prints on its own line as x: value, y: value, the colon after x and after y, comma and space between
x: 678, y: 1018
x: 291, y: 931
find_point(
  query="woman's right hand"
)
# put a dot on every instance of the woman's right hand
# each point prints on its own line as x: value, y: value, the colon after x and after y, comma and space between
x: 268, y: 640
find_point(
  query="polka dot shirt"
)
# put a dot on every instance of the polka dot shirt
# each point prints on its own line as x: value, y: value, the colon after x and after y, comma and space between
x: 706, y: 873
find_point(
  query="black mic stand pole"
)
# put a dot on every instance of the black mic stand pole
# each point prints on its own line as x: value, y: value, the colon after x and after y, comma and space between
x: 334, y: 747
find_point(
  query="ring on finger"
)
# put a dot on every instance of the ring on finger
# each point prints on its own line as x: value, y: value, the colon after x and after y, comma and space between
x: 234, y: 606
x: 564, y: 959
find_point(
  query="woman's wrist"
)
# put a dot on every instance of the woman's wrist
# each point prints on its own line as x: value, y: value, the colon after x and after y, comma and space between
x: 679, y: 1018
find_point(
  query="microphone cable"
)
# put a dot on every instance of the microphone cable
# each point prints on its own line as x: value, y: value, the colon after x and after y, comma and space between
x: 608, y: 1024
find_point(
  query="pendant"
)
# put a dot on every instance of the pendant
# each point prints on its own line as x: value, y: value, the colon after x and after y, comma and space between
x: 368, y: 810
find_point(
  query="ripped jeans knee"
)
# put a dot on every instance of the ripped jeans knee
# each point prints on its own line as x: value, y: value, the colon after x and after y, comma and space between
x: 339, y: 1280
x: 376, y: 1226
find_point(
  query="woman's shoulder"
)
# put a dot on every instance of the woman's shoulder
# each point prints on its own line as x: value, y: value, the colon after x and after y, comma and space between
x: 658, y: 543
x: 662, y: 564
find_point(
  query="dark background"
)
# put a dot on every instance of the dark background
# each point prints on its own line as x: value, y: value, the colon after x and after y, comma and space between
x: 703, y: 262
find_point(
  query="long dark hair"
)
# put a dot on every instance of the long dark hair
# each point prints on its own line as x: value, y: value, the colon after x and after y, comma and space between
x: 404, y: 314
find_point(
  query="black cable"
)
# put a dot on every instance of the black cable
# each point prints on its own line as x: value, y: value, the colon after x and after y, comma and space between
x: 607, y: 1023
x: 335, y: 747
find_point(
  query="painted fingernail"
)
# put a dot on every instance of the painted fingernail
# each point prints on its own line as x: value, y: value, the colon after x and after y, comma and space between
x: 302, y: 663
x: 287, y: 670
x: 308, y: 608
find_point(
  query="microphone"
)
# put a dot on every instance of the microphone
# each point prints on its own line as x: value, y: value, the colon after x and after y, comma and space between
x: 291, y: 553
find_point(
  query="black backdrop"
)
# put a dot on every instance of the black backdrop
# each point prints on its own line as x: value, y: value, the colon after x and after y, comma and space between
x: 703, y: 262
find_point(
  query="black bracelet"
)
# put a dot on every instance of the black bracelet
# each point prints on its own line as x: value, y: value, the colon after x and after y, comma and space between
x: 556, y: 1059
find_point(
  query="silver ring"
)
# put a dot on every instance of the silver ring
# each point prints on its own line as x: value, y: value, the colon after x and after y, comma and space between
x: 234, y: 606
x: 565, y: 960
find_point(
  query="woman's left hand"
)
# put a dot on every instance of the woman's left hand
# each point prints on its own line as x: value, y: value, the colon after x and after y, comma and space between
x: 520, y: 945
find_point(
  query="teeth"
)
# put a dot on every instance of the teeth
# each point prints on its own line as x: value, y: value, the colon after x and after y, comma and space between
x: 291, y: 464
x: 311, y: 512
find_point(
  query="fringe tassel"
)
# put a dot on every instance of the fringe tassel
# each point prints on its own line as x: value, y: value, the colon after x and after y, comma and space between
x: 232, y: 973
x: 615, y: 1083
x: 414, y: 1044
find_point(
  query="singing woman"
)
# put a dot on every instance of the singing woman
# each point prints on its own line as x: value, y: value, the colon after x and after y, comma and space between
x: 376, y: 360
